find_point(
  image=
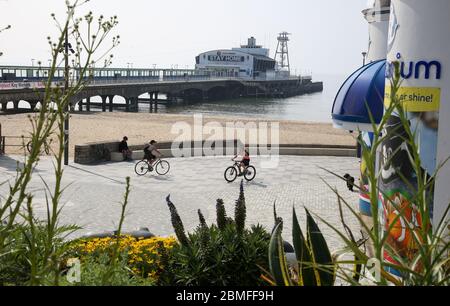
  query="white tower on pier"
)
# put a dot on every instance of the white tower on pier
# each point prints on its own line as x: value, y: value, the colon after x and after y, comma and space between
x: 282, y: 52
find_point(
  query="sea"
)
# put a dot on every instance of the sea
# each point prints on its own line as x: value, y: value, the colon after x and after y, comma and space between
x: 314, y: 107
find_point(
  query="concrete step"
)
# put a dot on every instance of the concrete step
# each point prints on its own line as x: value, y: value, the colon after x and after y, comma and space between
x: 194, y: 152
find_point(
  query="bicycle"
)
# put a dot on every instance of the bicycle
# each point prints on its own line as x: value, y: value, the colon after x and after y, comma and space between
x: 45, y: 145
x: 160, y: 166
x: 232, y: 172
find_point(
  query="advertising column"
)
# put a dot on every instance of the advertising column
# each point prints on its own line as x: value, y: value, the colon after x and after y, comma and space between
x: 377, y: 15
x: 419, y: 41
x: 378, y: 18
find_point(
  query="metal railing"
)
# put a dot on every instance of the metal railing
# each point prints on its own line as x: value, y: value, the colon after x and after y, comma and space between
x: 12, y: 85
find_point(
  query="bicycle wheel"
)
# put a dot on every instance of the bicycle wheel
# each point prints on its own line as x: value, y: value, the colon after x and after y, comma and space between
x: 250, y: 173
x: 141, y: 167
x: 162, y: 167
x: 230, y: 174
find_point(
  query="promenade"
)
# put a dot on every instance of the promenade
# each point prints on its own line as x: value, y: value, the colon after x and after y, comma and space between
x: 92, y: 197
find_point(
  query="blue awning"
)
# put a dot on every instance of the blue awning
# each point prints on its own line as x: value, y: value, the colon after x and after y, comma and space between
x: 363, y: 90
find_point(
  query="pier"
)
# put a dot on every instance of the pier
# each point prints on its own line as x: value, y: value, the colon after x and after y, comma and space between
x: 148, y: 86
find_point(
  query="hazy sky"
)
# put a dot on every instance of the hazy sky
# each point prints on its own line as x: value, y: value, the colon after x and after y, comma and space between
x: 328, y: 36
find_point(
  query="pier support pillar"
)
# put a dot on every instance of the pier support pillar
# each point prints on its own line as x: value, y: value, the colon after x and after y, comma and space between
x: 136, y: 103
x: 127, y: 104
x: 80, y: 105
x: 16, y: 105
x: 133, y: 104
x: 104, y: 103
x: 111, y: 98
x: 88, y: 104
x: 150, y: 109
x: 33, y: 104
x: 156, y: 101
x: 4, y: 105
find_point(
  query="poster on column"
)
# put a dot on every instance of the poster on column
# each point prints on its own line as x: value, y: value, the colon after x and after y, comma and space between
x: 420, y: 96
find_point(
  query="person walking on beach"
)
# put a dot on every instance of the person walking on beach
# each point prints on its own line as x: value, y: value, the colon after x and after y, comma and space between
x: 151, y: 152
x: 123, y: 148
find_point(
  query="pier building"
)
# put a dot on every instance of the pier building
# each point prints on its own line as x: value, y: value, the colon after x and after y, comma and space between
x: 247, y: 61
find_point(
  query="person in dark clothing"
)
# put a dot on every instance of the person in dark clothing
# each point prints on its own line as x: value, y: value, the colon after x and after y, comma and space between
x: 151, y: 153
x: 123, y: 148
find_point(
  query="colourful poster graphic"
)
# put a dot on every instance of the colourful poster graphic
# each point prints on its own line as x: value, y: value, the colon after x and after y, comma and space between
x: 364, y: 197
x: 400, y: 215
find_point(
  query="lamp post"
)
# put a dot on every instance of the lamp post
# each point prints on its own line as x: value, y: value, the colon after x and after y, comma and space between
x: 32, y: 62
x: 67, y: 47
x: 66, y: 87
x: 364, y: 57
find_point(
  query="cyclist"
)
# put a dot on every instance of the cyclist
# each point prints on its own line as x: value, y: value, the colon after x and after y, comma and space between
x: 151, y: 152
x: 244, y: 163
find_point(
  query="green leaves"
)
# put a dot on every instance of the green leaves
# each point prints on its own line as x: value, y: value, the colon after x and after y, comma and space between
x: 315, y: 264
x: 277, y: 259
x: 306, y: 272
x: 321, y: 255
x: 224, y: 255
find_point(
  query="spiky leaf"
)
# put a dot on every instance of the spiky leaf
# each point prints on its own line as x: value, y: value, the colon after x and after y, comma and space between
x: 277, y: 259
x: 276, y: 218
x: 303, y: 254
x: 320, y: 253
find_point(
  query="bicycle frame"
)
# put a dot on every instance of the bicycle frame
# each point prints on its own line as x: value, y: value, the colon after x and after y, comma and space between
x: 154, y: 163
x: 237, y: 164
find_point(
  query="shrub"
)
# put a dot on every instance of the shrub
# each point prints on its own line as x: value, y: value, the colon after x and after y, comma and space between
x: 227, y: 254
x: 142, y: 257
x: 25, y: 254
x: 93, y: 270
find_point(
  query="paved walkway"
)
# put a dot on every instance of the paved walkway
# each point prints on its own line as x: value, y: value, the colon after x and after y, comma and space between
x: 92, y: 198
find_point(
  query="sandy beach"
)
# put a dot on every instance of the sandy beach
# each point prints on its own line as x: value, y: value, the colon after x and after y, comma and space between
x: 141, y: 127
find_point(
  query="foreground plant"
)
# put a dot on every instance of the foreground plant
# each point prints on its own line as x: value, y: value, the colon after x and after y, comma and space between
x: 315, y: 264
x: 141, y: 258
x: 226, y: 254
x: 21, y: 235
x: 408, y: 250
